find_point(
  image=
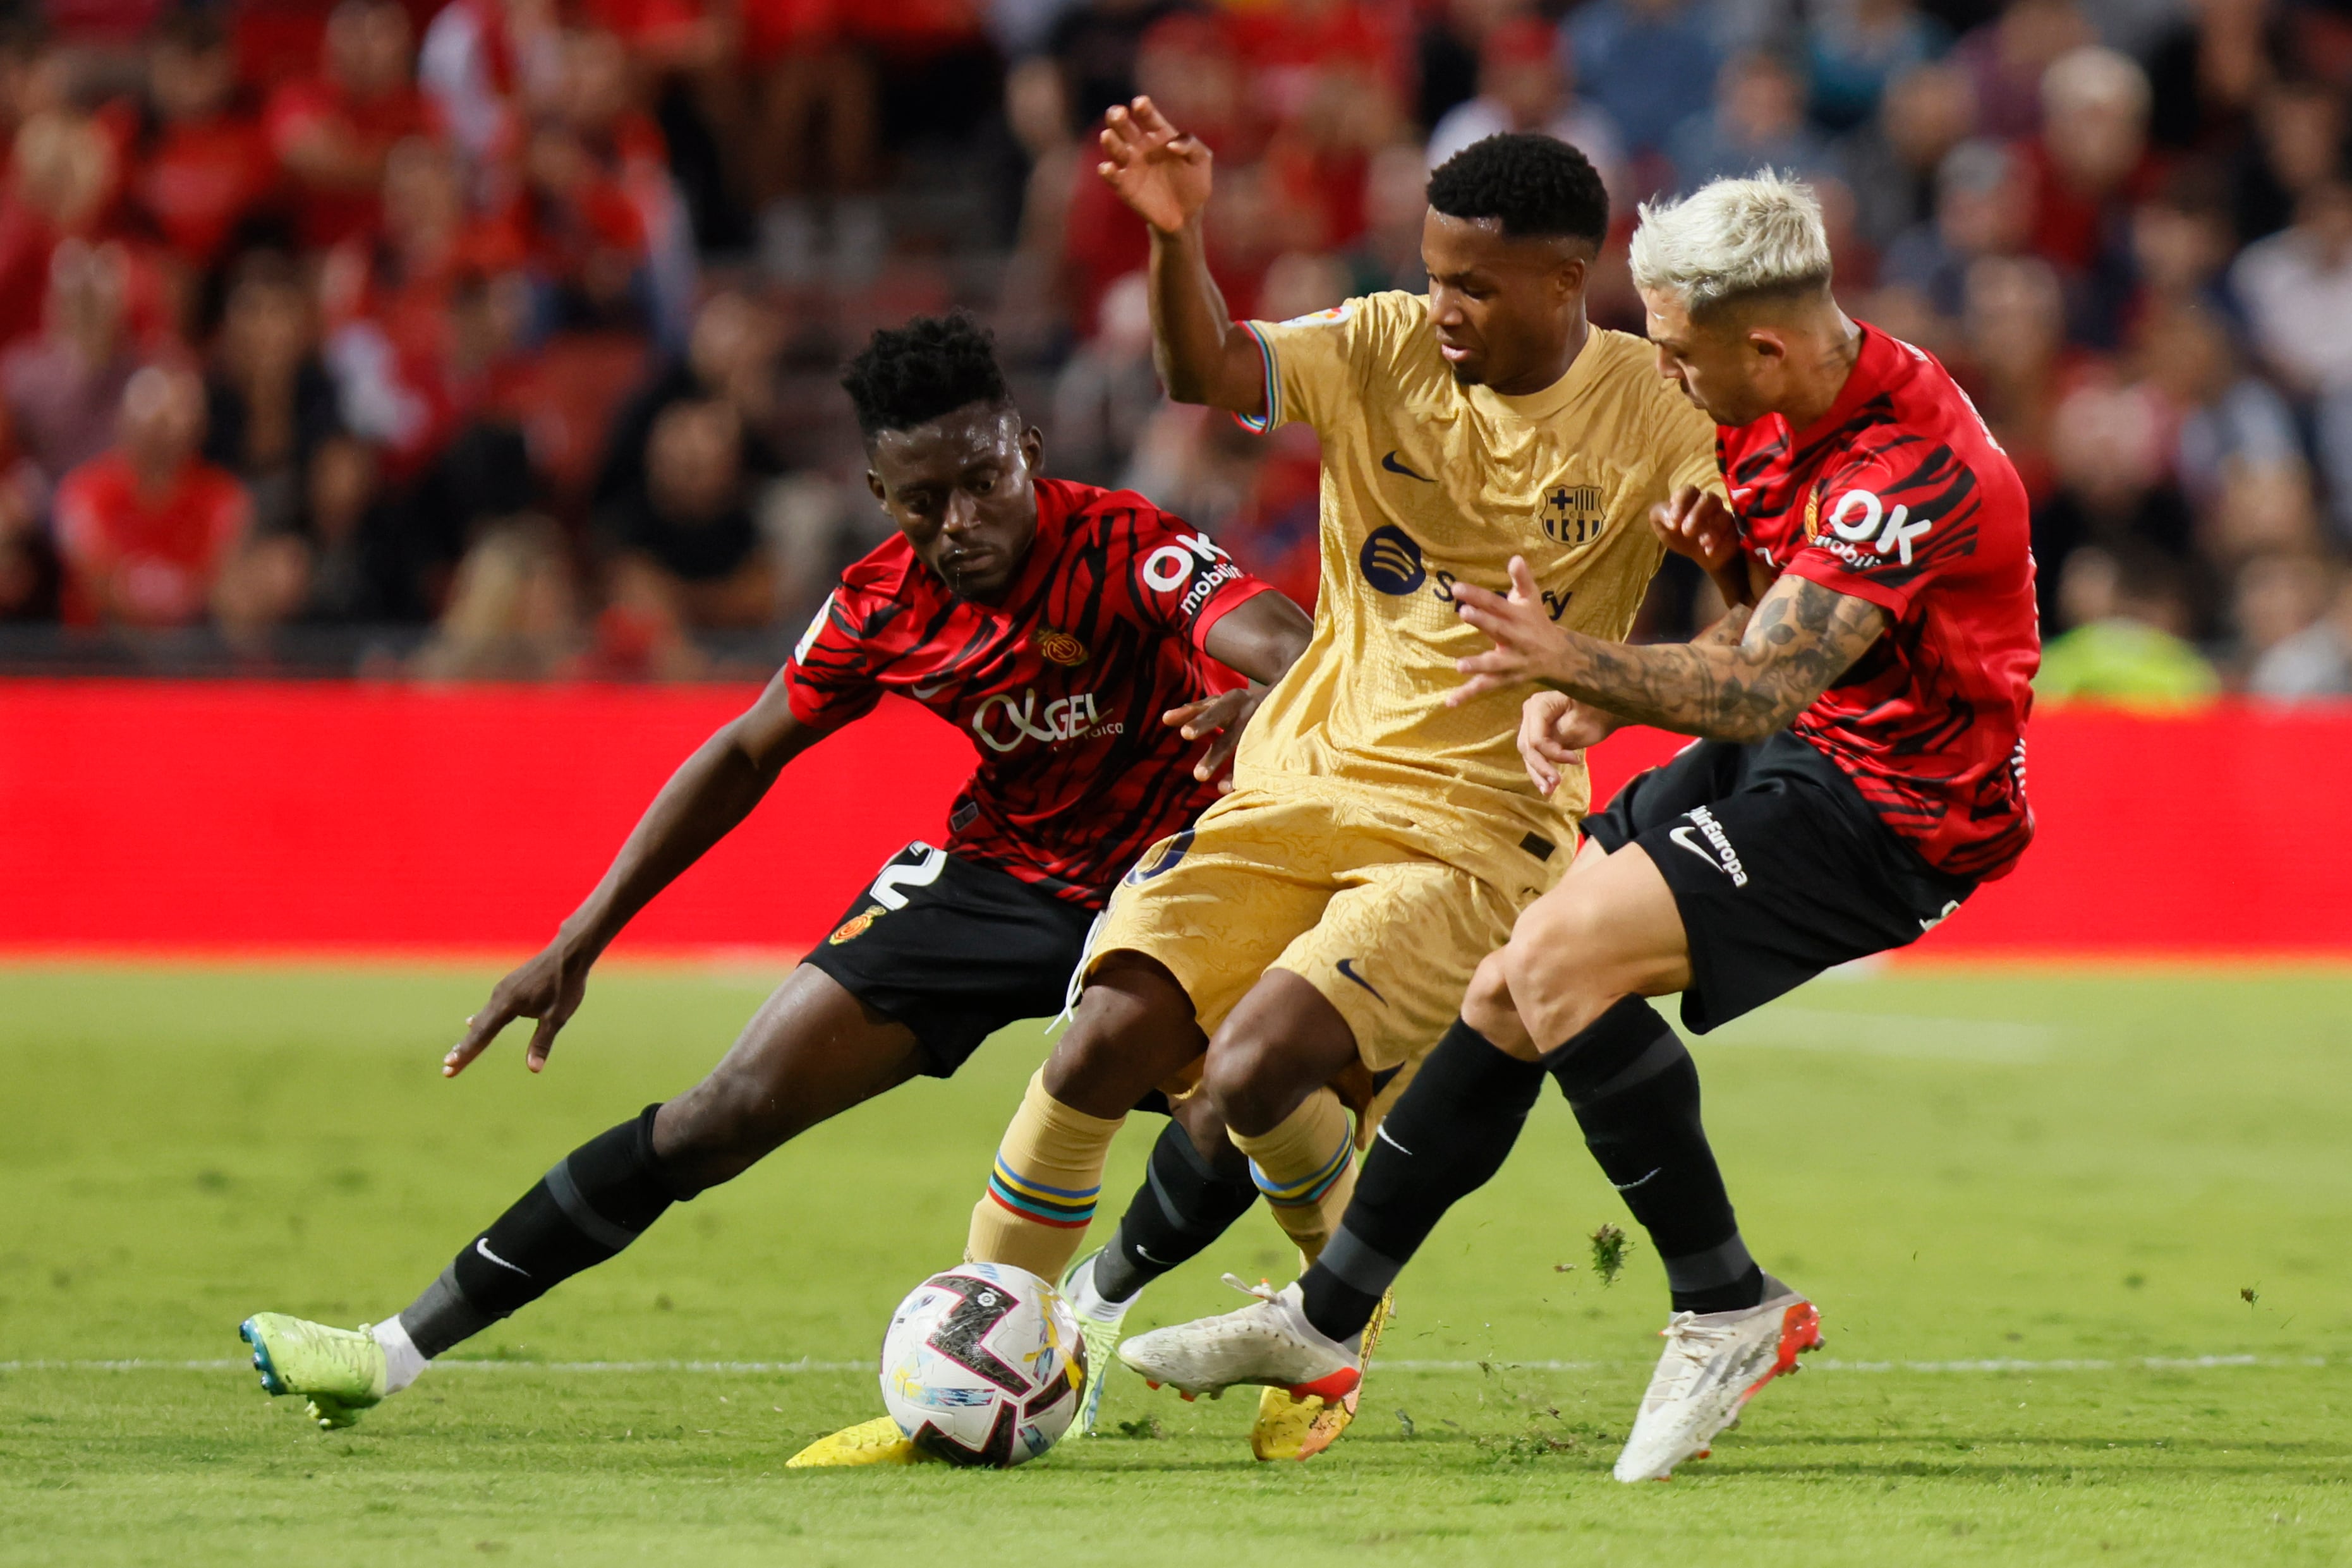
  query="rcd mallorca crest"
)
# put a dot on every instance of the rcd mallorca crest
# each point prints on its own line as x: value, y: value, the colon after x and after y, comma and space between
x: 1572, y: 513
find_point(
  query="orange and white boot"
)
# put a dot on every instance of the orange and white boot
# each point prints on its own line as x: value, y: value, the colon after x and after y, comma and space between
x: 1270, y: 1342
x: 1714, y: 1362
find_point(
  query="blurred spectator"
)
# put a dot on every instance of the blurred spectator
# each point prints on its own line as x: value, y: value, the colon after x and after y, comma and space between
x: 1108, y: 390
x: 2181, y: 244
x: 731, y: 357
x: 1758, y: 123
x: 1980, y: 211
x: 2089, y: 163
x: 150, y: 531
x: 2014, y: 322
x: 2263, y: 509
x: 1526, y: 82
x: 64, y: 388
x: 2208, y: 69
x: 2113, y: 489
x: 2006, y: 56
x: 1890, y: 161
x: 817, y: 136
x: 2314, y: 662
x: 2225, y: 417
x: 1096, y: 44
x: 2298, y: 289
x: 1649, y: 63
x: 2126, y: 645
x: 2279, y: 598
x: 686, y: 553
x: 334, y: 133
x: 2299, y: 143
x: 1855, y: 48
x: 1453, y: 41
x: 514, y: 613
x: 203, y: 169
x: 64, y: 175
x: 269, y: 401
x: 1387, y: 255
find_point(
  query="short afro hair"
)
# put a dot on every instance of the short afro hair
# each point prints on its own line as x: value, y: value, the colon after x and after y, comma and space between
x: 912, y: 374
x: 1537, y: 186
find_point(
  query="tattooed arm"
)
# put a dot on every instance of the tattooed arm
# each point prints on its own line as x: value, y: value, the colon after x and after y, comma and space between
x: 1746, y: 677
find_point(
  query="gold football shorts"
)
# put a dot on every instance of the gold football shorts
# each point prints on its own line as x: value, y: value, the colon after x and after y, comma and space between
x: 1354, y: 896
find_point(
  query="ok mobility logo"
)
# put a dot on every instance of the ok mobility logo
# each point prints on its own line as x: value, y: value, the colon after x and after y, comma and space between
x: 1392, y: 562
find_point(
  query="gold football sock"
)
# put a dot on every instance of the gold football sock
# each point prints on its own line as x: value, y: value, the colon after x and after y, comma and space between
x: 1042, y: 1193
x: 1305, y: 1167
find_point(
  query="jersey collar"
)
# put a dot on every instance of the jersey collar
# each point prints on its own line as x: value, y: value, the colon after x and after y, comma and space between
x: 1535, y: 407
x: 1872, y: 363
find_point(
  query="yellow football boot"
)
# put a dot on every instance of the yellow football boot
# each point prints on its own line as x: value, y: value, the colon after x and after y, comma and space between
x: 875, y: 1442
x: 1288, y: 1428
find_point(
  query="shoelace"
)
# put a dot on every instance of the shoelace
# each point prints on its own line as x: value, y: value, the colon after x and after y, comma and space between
x: 1690, y: 1348
x: 1261, y: 1290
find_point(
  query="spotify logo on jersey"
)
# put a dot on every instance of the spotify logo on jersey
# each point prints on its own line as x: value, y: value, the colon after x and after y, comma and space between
x: 1391, y: 560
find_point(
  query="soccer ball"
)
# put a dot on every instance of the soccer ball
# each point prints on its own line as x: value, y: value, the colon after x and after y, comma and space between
x: 983, y: 1365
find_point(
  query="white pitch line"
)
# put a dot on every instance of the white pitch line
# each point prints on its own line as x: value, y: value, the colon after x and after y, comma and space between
x: 2127, y: 1363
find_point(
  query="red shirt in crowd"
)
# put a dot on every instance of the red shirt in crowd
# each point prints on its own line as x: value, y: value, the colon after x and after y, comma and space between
x: 374, y: 125
x: 201, y: 179
x: 1898, y: 495
x: 145, y: 559
x: 1060, y: 686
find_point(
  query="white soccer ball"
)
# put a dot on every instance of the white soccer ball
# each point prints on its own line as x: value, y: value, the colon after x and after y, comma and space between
x: 983, y: 1365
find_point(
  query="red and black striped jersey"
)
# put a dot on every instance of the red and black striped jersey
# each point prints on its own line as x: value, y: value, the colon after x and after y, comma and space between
x: 1060, y: 686
x: 1899, y: 495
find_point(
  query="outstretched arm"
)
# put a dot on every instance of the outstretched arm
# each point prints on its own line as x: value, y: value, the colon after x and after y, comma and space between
x: 1262, y: 638
x: 1163, y: 174
x: 1798, y: 640
x: 1555, y: 728
x: 712, y: 791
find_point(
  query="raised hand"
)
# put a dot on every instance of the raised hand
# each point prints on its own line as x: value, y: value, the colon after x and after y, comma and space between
x: 1695, y: 523
x: 1155, y: 169
x: 547, y: 987
x: 1554, y: 730
x: 1223, y: 715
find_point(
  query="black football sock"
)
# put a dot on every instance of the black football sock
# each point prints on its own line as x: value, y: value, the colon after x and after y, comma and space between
x: 597, y: 1199
x: 1634, y: 1090
x: 1446, y: 1137
x: 1185, y: 1203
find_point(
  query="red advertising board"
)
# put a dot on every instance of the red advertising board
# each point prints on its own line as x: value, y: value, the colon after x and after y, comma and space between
x: 259, y: 817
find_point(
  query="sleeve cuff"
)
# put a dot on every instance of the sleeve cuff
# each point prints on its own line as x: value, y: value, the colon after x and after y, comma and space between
x: 1225, y: 604
x: 1273, y: 415
x: 1818, y: 568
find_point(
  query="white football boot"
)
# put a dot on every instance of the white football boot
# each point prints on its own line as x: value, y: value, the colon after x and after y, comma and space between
x: 1714, y: 1362
x: 1270, y: 1343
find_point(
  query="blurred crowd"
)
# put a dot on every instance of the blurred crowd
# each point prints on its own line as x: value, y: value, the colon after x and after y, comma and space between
x: 495, y: 338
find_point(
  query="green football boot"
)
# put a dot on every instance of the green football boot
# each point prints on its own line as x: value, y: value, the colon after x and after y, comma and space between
x: 1101, y: 1337
x: 340, y: 1372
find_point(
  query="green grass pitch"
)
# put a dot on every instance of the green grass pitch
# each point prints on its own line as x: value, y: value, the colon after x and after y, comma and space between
x: 2079, y: 1243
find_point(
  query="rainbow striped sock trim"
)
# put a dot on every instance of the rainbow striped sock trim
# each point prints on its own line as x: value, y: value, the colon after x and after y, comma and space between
x: 1064, y: 1208
x: 1307, y: 1189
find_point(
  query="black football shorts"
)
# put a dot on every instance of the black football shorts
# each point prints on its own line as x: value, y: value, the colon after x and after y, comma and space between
x: 954, y: 951
x: 1781, y: 868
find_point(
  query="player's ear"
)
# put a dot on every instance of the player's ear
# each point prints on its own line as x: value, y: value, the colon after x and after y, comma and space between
x: 1032, y: 448
x: 1766, y: 343
x: 874, y: 483
x: 1570, y: 278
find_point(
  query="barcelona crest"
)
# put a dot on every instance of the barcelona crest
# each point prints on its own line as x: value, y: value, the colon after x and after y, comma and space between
x: 1573, y: 513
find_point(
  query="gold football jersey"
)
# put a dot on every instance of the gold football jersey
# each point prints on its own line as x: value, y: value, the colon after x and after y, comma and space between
x: 1427, y: 482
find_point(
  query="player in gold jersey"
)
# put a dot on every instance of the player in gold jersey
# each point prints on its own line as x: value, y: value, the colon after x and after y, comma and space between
x: 1319, y: 923
x: 1317, y: 927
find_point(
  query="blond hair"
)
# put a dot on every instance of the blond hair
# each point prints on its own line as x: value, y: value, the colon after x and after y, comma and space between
x: 1731, y: 240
